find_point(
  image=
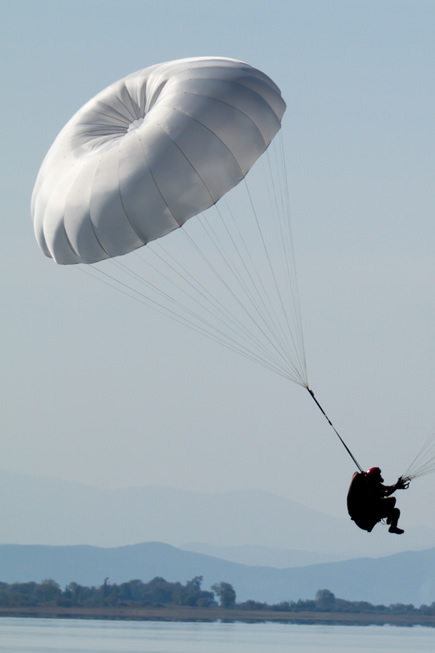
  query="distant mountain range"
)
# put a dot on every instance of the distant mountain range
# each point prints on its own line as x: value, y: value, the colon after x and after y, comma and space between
x: 253, y: 527
x: 263, y: 556
x: 401, y: 578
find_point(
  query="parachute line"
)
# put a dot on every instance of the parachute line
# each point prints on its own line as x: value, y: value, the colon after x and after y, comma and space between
x: 134, y: 294
x: 424, y: 461
x: 229, y: 274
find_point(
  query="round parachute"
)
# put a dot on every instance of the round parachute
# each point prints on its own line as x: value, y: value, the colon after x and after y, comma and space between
x: 148, y: 153
x: 151, y: 151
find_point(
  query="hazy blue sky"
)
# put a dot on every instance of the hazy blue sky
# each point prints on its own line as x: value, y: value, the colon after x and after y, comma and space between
x: 100, y: 390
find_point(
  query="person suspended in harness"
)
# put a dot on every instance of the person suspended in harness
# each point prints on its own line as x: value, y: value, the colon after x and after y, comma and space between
x: 369, y: 501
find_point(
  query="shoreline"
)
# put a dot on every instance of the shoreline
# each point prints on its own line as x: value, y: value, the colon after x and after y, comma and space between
x: 183, y: 613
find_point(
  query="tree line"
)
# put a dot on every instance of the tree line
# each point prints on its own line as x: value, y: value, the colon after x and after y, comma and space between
x: 159, y: 593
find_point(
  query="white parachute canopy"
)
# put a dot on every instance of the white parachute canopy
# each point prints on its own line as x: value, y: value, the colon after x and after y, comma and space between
x: 150, y: 152
x: 153, y: 150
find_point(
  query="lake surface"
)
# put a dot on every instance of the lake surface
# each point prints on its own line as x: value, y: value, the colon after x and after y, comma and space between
x: 29, y: 635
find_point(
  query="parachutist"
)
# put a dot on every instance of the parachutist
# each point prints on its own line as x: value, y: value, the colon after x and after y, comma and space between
x: 369, y: 500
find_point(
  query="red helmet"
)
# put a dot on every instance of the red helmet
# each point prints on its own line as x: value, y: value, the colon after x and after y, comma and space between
x: 373, y: 471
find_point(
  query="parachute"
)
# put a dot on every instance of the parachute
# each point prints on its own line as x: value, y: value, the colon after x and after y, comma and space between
x: 148, y: 153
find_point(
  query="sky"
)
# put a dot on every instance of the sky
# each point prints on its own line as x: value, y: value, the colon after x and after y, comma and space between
x: 103, y: 391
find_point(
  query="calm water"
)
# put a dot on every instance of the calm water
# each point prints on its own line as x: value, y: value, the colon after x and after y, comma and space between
x: 83, y: 636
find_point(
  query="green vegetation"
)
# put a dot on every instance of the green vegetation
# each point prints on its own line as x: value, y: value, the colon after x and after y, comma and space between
x: 157, y: 592
x: 325, y: 601
x: 160, y: 593
x: 226, y: 594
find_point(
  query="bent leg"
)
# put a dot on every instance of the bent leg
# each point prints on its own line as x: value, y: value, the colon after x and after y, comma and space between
x: 393, y: 520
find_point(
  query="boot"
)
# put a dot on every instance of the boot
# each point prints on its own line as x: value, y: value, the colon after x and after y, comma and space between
x: 395, y: 529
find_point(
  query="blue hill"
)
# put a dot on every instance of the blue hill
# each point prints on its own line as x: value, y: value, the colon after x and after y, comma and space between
x: 400, y: 578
